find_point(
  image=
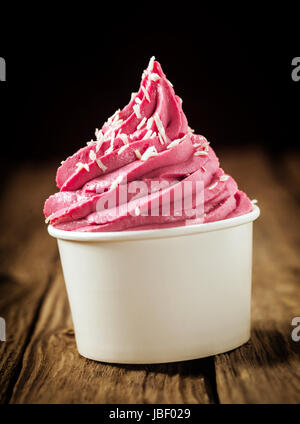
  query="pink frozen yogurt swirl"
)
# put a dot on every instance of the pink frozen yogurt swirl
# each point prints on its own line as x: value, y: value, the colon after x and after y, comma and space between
x: 143, y: 156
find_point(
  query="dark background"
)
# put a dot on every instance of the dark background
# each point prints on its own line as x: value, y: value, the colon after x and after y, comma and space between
x: 66, y: 75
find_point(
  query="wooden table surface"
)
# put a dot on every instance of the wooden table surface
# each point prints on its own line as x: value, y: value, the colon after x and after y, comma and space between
x: 39, y: 362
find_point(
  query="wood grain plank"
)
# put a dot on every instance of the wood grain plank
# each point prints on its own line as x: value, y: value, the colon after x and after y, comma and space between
x: 267, y: 369
x: 27, y: 257
x: 288, y: 173
x: 54, y: 372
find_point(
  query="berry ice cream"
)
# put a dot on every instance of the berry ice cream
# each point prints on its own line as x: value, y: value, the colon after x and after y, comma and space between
x: 136, y: 171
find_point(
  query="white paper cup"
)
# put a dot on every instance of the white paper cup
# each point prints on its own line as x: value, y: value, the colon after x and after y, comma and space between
x: 159, y: 295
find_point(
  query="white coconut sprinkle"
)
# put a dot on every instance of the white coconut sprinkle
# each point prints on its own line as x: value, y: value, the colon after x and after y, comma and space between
x: 137, y: 111
x: 138, y: 100
x: 117, y: 123
x: 137, y: 154
x: 137, y: 211
x: 147, y: 135
x: 113, y: 117
x: 191, y: 130
x: 101, y: 165
x: 169, y: 82
x: 47, y: 220
x: 175, y: 142
x: 160, y: 127
x: 151, y: 63
x: 111, y: 147
x: 201, y: 153
x: 116, y: 182
x: 151, y: 151
x: 80, y: 166
x: 62, y: 162
x: 142, y: 123
x: 213, y: 186
x: 100, y: 139
x: 197, y: 144
x: 146, y: 93
x: 121, y: 150
x: 124, y: 138
x: 92, y: 155
x: 154, y: 135
x: 107, y: 135
x: 154, y: 77
x: 161, y: 139
x: 149, y: 123
x: 254, y: 201
x: 224, y: 177
x: 109, y: 150
x: 108, y: 122
x: 203, y: 168
x: 112, y: 138
x: 132, y: 96
x: 99, y: 135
